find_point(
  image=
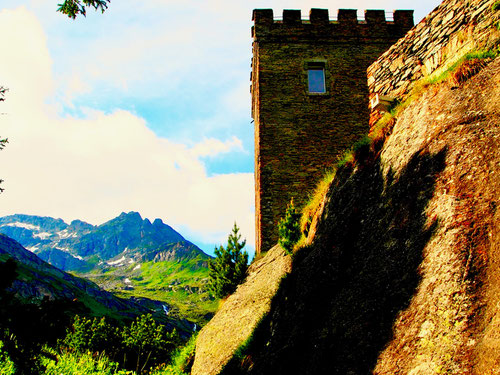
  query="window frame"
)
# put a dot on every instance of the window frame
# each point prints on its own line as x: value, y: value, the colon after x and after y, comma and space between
x: 319, y: 65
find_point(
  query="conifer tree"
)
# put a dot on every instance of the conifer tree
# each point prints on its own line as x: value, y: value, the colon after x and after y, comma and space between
x: 289, y: 228
x: 229, y: 267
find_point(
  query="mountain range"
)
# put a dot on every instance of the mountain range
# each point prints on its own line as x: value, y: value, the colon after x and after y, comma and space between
x: 148, y: 262
x: 79, y: 246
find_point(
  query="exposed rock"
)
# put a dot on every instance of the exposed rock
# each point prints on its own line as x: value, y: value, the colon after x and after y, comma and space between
x: 240, y: 313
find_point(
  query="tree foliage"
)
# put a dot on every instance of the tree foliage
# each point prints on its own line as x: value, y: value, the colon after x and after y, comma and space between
x: 93, y: 335
x: 148, y: 341
x: 289, y: 228
x: 229, y: 267
x: 137, y: 346
x: 72, y: 8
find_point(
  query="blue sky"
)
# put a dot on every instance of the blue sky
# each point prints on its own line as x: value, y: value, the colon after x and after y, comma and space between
x: 145, y: 107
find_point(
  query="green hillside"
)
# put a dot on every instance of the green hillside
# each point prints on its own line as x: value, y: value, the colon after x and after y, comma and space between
x: 181, y: 285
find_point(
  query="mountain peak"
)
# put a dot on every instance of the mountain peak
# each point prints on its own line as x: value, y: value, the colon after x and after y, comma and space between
x: 158, y: 222
x: 131, y: 215
x: 69, y: 246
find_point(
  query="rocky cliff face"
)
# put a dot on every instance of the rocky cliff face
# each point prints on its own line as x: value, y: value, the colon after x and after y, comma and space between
x: 401, y: 274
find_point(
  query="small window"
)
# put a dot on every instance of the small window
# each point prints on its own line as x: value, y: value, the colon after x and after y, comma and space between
x: 316, y: 78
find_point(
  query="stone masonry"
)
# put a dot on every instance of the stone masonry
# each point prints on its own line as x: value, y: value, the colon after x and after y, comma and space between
x: 453, y: 29
x: 299, y: 133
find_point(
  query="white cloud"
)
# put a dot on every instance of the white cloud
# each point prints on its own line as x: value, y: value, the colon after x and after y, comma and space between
x: 94, y: 167
x: 212, y: 147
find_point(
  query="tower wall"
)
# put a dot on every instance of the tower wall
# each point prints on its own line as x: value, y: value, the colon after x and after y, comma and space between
x: 298, y: 133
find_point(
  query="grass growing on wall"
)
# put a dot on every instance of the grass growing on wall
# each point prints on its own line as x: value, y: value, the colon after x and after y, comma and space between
x: 466, y: 67
x: 314, y: 202
x: 453, y: 73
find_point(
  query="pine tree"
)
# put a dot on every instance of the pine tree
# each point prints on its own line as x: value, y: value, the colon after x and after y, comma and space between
x: 289, y: 228
x: 229, y: 267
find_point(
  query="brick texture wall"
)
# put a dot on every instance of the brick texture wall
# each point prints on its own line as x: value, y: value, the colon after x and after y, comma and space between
x: 297, y: 134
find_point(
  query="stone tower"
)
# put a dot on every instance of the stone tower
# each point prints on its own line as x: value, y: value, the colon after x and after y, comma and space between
x: 309, y: 99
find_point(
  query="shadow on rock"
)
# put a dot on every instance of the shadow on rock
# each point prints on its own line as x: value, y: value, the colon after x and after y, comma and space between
x: 335, y: 312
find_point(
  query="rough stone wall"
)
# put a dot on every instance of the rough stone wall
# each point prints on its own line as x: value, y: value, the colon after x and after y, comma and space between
x: 297, y: 133
x: 453, y: 29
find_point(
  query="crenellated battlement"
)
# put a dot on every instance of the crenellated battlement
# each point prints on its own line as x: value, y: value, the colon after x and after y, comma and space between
x: 376, y: 24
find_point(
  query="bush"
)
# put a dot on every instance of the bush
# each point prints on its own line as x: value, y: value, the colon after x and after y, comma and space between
x: 148, y: 342
x: 289, y: 228
x: 94, y: 335
x: 229, y: 267
x: 138, y: 346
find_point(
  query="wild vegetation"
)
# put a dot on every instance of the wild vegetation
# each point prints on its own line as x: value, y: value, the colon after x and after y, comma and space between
x: 34, y: 338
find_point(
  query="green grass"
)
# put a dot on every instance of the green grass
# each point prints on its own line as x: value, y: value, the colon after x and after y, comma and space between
x: 445, y: 75
x: 72, y: 363
x: 314, y: 202
x: 181, y: 285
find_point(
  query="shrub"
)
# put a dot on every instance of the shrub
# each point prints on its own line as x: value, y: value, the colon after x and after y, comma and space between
x: 139, y: 345
x: 289, y: 228
x: 94, y: 335
x: 148, y: 342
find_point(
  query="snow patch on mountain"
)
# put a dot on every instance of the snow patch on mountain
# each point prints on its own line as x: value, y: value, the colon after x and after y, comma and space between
x: 117, y: 262
x: 65, y: 249
x: 22, y: 225
x: 66, y: 234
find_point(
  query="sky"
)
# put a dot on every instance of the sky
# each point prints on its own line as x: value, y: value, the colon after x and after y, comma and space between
x: 143, y: 108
